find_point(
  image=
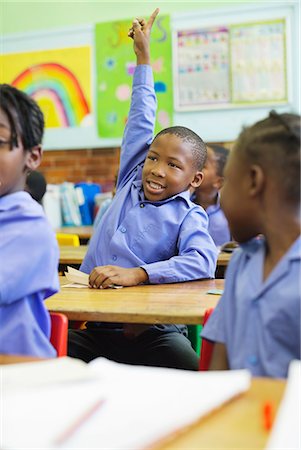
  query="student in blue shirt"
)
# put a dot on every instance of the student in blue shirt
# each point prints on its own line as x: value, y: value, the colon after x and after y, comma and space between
x: 152, y: 232
x: 28, y: 248
x: 256, y: 324
x: 208, y: 193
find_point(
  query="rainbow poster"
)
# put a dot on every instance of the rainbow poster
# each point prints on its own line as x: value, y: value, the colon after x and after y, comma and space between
x: 59, y: 80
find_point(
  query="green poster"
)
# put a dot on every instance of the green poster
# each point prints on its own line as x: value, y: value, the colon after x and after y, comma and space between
x: 115, y: 65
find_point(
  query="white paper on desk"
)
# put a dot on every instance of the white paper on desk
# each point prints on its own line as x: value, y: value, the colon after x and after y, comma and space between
x: 76, y: 276
x: 80, y: 278
x: 146, y: 404
x: 286, y: 431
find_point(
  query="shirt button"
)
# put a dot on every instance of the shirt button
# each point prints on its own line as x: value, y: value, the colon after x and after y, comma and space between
x: 253, y: 360
x: 114, y: 257
x: 123, y: 229
x: 141, y: 205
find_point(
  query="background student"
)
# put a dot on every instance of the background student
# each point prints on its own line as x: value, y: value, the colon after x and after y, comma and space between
x: 256, y: 324
x: 28, y: 248
x: 208, y: 193
x: 36, y: 185
x: 152, y: 232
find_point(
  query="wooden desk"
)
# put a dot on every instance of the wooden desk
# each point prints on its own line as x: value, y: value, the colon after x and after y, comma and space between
x: 84, y: 232
x: 75, y: 255
x: 72, y: 255
x: 237, y: 425
x: 160, y: 303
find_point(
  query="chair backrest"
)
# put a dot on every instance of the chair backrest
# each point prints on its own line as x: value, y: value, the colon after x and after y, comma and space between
x: 68, y: 239
x: 207, y: 346
x: 59, y: 333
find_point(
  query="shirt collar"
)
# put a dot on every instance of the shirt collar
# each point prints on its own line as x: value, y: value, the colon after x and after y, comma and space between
x: 10, y: 201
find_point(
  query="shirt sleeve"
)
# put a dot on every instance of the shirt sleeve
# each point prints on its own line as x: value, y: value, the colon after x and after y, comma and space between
x: 222, y: 317
x: 196, y: 258
x: 139, y: 130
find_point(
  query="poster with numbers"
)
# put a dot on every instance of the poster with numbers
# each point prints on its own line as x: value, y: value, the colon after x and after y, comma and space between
x: 230, y: 66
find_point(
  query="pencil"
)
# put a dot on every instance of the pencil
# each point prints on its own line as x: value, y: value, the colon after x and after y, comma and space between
x: 267, y: 410
x: 78, y: 423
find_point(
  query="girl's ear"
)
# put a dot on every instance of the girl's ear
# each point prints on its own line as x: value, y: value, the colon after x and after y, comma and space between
x: 34, y: 157
x: 257, y: 180
x: 197, y: 181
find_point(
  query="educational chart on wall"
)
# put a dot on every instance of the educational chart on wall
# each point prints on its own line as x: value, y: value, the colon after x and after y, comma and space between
x: 230, y: 66
x: 115, y: 65
x: 59, y: 80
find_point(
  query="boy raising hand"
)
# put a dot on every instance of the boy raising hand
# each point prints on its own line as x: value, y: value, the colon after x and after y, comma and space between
x: 152, y: 232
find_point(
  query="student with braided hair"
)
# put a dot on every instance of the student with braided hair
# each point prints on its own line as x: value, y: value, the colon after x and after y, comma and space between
x: 256, y: 324
x: 28, y: 248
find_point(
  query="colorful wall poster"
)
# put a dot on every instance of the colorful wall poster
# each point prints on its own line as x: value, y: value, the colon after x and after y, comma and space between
x: 203, y: 67
x: 258, y: 62
x: 59, y: 80
x: 115, y: 65
x: 230, y: 66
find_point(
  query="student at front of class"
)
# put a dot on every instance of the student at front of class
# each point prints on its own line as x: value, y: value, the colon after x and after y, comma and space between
x: 256, y: 324
x: 28, y: 248
x: 152, y: 232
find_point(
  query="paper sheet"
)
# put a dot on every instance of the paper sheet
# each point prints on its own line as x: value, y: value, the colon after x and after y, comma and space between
x: 80, y: 279
x: 286, y: 431
x: 141, y: 405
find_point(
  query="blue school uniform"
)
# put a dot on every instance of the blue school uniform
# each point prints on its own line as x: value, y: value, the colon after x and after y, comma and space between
x: 168, y: 239
x: 28, y: 275
x: 218, y: 225
x: 259, y: 321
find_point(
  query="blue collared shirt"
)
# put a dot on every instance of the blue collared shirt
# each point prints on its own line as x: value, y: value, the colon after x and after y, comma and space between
x: 259, y: 321
x: 28, y: 275
x: 218, y: 224
x: 168, y: 239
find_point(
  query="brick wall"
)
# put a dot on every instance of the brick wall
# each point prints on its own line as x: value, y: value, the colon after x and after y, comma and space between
x: 91, y: 165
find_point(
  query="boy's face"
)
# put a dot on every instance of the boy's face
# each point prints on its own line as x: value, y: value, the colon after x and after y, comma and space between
x: 212, y: 181
x: 14, y: 162
x: 236, y: 199
x: 169, y: 168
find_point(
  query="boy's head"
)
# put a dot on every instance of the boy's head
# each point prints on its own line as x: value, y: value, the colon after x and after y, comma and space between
x: 263, y: 166
x: 36, y: 185
x: 214, y: 168
x: 21, y: 132
x: 173, y: 164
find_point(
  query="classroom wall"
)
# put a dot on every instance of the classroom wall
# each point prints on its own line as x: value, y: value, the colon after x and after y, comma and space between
x: 100, y: 164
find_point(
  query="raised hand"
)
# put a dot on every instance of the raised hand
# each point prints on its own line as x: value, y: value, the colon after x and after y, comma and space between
x: 140, y: 33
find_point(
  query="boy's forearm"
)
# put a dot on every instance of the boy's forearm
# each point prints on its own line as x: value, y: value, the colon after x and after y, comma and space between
x: 143, y: 59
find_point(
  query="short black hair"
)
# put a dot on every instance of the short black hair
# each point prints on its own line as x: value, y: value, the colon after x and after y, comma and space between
x: 36, y: 185
x: 198, y: 146
x: 24, y: 115
x: 274, y: 143
x: 221, y: 154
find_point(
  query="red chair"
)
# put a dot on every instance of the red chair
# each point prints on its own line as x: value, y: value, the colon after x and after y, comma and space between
x: 59, y: 333
x: 207, y: 346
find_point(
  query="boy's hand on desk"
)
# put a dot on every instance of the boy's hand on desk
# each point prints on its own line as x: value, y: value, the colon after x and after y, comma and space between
x: 140, y: 33
x: 105, y: 276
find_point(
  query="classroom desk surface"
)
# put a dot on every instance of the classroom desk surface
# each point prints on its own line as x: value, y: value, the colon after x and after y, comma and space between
x: 160, y: 303
x: 75, y: 255
x: 83, y: 232
x: 237, y: 425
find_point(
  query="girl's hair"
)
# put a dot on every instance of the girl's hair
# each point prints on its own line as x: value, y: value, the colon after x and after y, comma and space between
x: 221, y: 155
x: 198, y: 147
x: 24, y: 115
x: 274, y: 144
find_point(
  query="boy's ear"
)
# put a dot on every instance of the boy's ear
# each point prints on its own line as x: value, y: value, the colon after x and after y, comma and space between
x: 197, y: 181
x: 34, y: 157
x: 257, y: 180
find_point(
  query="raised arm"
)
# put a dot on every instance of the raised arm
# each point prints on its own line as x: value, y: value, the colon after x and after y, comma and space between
x: 139, y: 129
